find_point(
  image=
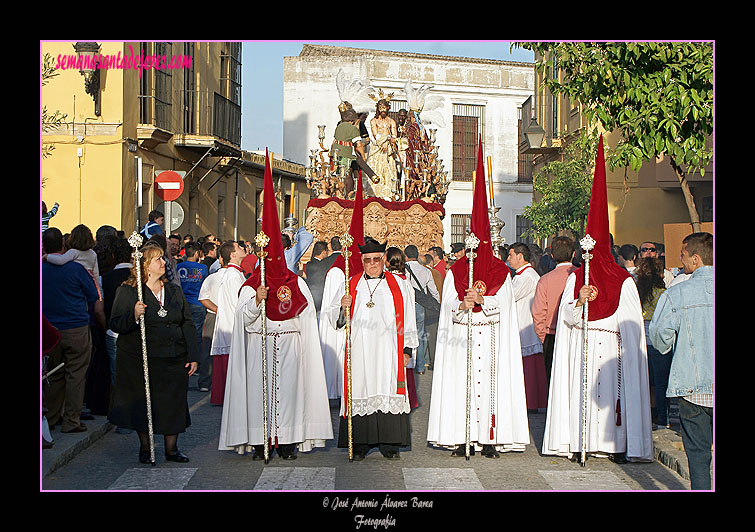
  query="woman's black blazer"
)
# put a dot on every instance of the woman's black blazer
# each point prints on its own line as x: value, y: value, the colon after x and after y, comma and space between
x: 171, y: 336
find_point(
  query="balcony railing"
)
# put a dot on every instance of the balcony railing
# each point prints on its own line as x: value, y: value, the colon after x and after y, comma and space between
x: 203, y: 113
x: 226, y: 123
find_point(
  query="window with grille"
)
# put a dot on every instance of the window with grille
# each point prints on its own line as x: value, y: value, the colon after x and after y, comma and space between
x: 396, y: 106
x: 523, y: 224
x: 155, y: 88
x: 145, y: 89
x: 468, y: 121
x: 553, y: 74
x: 227, y: 103
x: 190, y: 92
x: 460, y: 224
x: 524, y: 160
x: 163, y: 83
x: 230, y: 72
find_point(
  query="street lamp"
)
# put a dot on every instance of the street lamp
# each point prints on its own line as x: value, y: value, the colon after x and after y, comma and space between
x: 86, y: 53
x: 534, y: 135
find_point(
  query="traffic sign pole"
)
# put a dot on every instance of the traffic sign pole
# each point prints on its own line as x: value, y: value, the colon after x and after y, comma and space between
x: 169, y: 186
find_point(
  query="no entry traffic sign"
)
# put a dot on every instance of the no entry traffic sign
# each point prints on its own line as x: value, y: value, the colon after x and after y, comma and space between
x: 169, y: 185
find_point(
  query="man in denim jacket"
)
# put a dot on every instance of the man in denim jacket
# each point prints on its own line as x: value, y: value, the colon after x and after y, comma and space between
x: 683, y: 324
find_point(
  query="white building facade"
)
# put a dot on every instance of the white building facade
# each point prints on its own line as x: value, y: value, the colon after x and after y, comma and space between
x: 481, y: 96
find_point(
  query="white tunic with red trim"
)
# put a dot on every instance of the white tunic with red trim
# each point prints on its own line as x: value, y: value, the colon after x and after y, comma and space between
x: 374, y: 346
x: 617, y: 376
x: 498, y: 413
x: 298, y: 409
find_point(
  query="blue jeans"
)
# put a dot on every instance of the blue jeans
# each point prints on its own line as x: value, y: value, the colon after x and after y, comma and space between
x: 422, y: 333
x: 204, y: 373
x: 197, y: 315
x: 697, y: 437
x: 110, y: 343
x: 659, y: 366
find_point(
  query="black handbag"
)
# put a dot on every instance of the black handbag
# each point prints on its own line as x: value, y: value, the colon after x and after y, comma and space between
x: 428, y: 302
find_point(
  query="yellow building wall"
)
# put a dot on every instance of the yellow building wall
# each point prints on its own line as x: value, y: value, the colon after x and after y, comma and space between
x: 87, y: 185
x: 635, y: 213
x: 639, y: 214
x: 99, y: 187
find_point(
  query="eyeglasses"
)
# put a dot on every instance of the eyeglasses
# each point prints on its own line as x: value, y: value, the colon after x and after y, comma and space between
x: 372, y: 260
x: 645, y: 250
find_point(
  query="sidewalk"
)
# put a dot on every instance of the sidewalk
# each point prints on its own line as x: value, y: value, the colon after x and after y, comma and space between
x: 667, y: 443
x: 68, y: 446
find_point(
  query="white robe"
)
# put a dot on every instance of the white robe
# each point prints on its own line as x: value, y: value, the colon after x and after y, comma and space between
x: 525, y: 283
x: 497, y: 374
x: 228, y: 296
x: 563, y: 427
x: 374, y: 348
x: 297, y: 398
x: 332, y: 340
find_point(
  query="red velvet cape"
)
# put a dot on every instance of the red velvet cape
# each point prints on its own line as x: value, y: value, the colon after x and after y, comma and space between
x: 285, y: 300
x: 489, y: 272
x: 605, y: 274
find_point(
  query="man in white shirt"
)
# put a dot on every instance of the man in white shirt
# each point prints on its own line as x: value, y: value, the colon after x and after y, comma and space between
x: 208, y: 297
x: 228, y: 295
x: 525, y: 282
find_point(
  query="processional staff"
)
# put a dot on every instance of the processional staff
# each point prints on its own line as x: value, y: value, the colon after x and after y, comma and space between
x: 136, y: 241
x: 470, y: 243
x: 587, y: 244
x: 262, y: 240
x: 346, y: 241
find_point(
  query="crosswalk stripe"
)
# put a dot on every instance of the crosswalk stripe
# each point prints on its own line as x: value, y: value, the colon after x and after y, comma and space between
x: 436, y: 478
x: 150, y: 478
x: 297, y: 478
x: 583, y: 480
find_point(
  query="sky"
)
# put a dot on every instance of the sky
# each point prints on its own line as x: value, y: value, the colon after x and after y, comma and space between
x: 262, y: 77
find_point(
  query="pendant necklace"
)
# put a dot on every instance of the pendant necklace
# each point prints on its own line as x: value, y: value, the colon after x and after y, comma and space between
x: 371, y: 303
x: 160, y: 297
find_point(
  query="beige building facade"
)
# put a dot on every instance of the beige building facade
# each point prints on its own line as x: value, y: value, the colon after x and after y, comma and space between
x: 146, y: 108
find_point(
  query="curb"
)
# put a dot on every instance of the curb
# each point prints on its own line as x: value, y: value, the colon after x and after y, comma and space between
x: 67, y: 446
x: 669, y: 451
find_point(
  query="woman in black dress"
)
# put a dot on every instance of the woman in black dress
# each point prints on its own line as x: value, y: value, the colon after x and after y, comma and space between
x: 172, y: 353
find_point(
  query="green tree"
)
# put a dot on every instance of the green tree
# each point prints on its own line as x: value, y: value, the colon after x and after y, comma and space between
x: 564, y: 187
x: 658, y: 95
x: 50, y: 120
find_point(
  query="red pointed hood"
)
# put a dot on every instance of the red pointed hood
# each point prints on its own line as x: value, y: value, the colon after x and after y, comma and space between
x: 285, y: 299
x: 489, y: 272
x: 356, y: 230
x: 605, y: 274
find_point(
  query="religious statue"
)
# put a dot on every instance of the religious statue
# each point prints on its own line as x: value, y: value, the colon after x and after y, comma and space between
x: 383, y: 155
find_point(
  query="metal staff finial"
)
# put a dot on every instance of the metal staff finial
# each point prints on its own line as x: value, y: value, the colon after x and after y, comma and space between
x: 346, y: 241
x: 135, y: 240
x: 587, y: 244
x: 470, y: 244
x: 262, y: 240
